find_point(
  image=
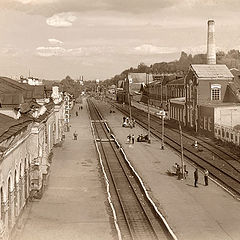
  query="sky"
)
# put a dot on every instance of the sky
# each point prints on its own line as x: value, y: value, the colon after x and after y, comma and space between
x: 98, y: 39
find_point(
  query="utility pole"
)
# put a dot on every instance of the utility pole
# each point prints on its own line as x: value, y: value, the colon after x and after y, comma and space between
x: 182, y: 159
x: 162, y: 94
x: 148, y: 100
x: 129, y: 101
x: 162, y: 115
x: 163, y: 130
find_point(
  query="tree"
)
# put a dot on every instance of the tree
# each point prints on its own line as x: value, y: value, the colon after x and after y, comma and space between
x: 72, y: 87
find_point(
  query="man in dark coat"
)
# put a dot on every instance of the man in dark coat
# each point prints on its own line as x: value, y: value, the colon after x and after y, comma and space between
x: 195, y: 177
x: 206, y: 177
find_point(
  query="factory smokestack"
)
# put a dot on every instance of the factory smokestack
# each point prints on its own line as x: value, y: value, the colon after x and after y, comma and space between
x: 211, y: 47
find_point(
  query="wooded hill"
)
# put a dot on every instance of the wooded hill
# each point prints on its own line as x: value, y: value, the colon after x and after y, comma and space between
x: 180, y: 66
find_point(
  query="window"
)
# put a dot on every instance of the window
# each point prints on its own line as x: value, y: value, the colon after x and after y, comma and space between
x: 215, y: 92
x: 209, y: 124
x: 201, y: 122
x: 205, y: 123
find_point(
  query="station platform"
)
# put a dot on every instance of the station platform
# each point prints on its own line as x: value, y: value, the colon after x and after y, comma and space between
x: 74, y: 205
x: 193, y: 213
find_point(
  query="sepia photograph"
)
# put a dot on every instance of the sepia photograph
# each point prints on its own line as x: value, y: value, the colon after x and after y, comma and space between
x: 119, y: 120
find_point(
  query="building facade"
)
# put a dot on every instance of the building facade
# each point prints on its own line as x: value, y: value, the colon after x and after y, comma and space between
x: 27, y: 137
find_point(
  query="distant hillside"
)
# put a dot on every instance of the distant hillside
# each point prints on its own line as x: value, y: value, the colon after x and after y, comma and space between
x: 180, y: 66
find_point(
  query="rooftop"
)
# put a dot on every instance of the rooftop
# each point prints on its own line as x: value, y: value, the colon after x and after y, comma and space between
x: 222, y: 104
x: 9, y: 85
x: 10, y: 126
x: 216, y: 71
x: 140, y: 77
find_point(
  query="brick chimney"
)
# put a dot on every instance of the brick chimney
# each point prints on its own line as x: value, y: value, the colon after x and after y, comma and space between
x: 211, y: 46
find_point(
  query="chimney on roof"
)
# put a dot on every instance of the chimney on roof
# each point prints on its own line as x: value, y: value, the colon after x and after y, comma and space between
x: 211, y: 46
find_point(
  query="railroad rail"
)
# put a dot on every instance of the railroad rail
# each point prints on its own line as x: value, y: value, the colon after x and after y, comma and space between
x: 136, y: 217
x: 223, y: 166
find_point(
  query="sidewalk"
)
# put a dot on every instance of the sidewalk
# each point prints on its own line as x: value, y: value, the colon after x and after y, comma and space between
x: 203, y: 213
x: 74, y: 206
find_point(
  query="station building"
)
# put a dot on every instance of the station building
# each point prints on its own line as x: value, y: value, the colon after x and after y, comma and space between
x: 30, y: 125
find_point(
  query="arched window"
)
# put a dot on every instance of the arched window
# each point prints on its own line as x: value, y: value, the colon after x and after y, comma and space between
x: 9, y: 204
x: 2, y: 206
x: 15, y: 195
x: 215, y: 92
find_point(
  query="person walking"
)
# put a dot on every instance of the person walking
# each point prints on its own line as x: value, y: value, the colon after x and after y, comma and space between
x: 133, y: 122
x: 133, y: 139
x: 124, y: 118
x: 75, y: 135
x: 206, y: 173
x: 195, y: 177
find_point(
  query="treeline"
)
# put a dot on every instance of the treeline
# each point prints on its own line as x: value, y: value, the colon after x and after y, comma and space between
x: 180, y: 66
x: 72, y: 87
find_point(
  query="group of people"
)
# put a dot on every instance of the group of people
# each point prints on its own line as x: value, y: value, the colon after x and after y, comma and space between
x: 206, y: 173
x: 131, y: 139
x: 181, y: 175
x: 142, y: 138
x: 79, y: 108
x: 128, y: 122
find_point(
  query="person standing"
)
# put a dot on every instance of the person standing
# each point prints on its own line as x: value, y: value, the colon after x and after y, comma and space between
x: 133, y: 139
x: 124, y: 118
x: 206, y: 173
x: 195, y: 177
x: 178, y: 172
x: 133, y: 122
x: 129, y: 138
x: 75, y: 135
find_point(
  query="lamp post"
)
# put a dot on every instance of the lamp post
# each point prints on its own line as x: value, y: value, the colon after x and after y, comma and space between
x: 129, y: 101
x: 182, y: 159
x: 148, y: 99
x: 162, y: 114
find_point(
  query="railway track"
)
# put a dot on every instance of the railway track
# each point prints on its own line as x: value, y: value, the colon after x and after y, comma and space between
x: 136, y: 217
x: 223, y: 166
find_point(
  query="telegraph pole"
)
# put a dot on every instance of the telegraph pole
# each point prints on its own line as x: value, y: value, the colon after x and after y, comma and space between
x: 148, y: 100
x: 163, y: 131
x: 162, y: 115
x: 129, y: 101
x: 182, y: 159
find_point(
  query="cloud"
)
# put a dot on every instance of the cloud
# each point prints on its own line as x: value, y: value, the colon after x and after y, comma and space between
x: 54, y: 41
x: 50, y: 7
x: 73, y: 52
x: 10, y: 51
x: 64, y: 19
x: 148, y: 49
x: 36, y: 1
x: 50, y: 51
